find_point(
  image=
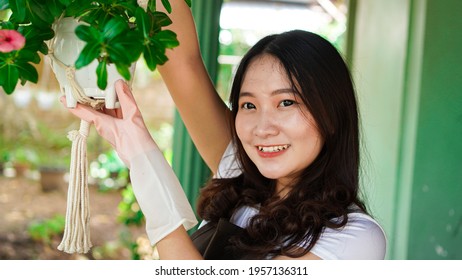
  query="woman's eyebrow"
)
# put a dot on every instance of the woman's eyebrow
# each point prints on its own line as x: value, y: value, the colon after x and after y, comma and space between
x: 275, y: 92
x: 283, y: 91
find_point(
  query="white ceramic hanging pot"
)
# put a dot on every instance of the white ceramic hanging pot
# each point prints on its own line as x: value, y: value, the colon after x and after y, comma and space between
x: 66, y: 47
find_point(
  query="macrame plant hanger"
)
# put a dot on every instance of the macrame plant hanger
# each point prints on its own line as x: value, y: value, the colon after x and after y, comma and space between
x: 76, y: 237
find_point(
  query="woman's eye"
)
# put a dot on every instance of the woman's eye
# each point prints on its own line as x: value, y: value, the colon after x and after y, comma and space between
x: 287, y: 103
x: 247, y: 106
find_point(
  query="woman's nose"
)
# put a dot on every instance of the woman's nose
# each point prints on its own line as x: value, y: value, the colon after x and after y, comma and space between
x: 266, y: 125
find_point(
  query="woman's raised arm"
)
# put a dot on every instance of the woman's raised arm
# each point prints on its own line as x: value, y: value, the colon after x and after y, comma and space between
x: 201, y: 108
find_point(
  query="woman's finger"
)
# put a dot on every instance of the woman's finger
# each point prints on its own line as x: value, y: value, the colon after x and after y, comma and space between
x: 116, y: 113
x: 126, y: 99
x: 86, y: 113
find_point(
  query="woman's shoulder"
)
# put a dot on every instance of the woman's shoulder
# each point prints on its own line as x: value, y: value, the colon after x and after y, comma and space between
x: 360, y: 239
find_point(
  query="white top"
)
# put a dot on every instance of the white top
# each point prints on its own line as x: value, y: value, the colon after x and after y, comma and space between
x: 360, y: 239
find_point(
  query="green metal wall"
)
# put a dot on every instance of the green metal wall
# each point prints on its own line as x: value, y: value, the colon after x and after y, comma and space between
x: 408, y: 69
x: 436, y: 208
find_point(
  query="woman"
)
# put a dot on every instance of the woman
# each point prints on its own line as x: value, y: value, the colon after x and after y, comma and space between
x: 285, y: 155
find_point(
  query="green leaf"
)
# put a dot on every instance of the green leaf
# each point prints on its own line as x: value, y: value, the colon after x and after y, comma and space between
x: 55, y: 7
x: 88, y: 34
x: 6, y: 25
x: 18, y: 7
x: 142, y: 21
x: 188, y: 2
x: 27, y: 72
x: 9, y: 78
x: 161, y: 19
x: 125, y: 49
x: 26, y: 55
x: 89, y: 53
x: 123, y: 70
x: 113, y: 28
x: 78, y: 8
x: 154, y: 54
x: 129, y: 7
x: 167, y: 38
x: 35, y: 38
x: 152, y: 5
x: 101, y: 73
x: 38, y: 13
x: 65, y: 2
x: 46, y: 34
x: 43, y: 48
x: 32, y: 33
x: 167, y: 6
x: 3, y: 67
x: 117, y: 53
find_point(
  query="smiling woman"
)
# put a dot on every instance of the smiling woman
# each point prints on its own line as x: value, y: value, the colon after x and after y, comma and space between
x: 285, y: 154
x: 294, y: 156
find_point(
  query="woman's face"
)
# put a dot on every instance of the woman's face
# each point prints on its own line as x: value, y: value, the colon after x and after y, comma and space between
x: 276, y: 129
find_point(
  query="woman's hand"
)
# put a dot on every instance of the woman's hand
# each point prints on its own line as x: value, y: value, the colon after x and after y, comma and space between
x: 156, y: 187
x: 123, y: 127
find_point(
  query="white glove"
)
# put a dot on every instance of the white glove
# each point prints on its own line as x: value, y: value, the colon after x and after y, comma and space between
x: 155, y: 185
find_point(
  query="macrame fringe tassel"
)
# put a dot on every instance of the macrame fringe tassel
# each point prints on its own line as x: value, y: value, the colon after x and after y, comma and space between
x: 76, y: 237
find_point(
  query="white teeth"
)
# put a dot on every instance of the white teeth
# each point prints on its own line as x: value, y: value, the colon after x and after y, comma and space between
x: 273, y: 149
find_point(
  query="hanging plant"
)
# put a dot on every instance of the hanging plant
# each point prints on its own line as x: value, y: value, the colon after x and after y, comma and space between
x: 115, y: 32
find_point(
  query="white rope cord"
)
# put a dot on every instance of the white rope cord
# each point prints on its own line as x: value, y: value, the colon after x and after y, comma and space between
x: 76, y: 238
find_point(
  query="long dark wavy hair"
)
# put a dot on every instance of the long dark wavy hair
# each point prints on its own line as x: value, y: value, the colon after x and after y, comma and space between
x: 327, y: 187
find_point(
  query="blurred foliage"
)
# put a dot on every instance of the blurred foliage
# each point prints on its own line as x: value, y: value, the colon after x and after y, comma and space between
x: 108, y: 171
x: 126, y: 238
x: 53, y: 147
x: 163, y: 136
x: 236, y: 47
x: 108, y: 251
x: 44, y: 231
x: 129, y: 210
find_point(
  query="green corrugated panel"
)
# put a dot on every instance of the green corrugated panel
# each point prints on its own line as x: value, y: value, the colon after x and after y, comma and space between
x: 435, y: 228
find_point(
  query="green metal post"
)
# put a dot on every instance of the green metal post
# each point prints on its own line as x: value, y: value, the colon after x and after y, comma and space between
x: 186, y: 162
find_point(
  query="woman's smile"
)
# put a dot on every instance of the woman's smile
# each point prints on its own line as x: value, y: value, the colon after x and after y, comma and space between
x: 268, y: 151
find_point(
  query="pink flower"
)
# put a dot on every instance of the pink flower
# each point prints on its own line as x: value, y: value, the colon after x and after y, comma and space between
x: 11, y: 40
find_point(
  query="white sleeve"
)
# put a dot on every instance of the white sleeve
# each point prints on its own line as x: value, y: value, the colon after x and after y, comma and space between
x: 229, y: 166
x: 361, y: 238
x: 160, y: 195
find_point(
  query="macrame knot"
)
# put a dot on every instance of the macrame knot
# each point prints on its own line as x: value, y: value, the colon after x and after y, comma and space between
x: 72, y: 135
x: 70, y: 72
x: 84, y: 129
